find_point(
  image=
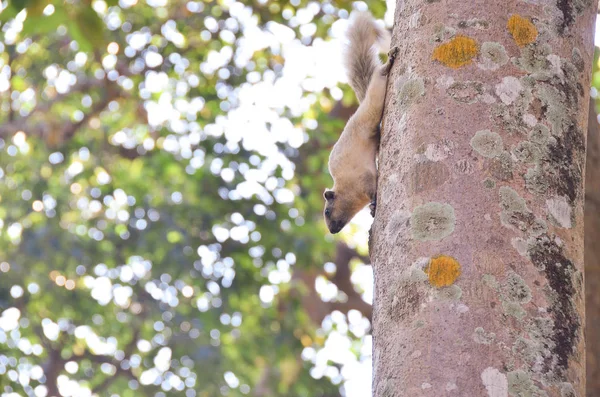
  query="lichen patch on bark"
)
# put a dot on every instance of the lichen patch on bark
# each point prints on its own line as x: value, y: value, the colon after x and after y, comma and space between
x: 516, y: 214
x: 456, y: 53
x: 487, y: 143
x: 432, y: 221
x: 493, y: 56
x: 409, y: 90
x: 548, y: 257
x: 495, y: 382
x: 466, y: 91
x: 560, y: 211
x: 483, y: 338
x: 522, y: 30
x: 443, y: 271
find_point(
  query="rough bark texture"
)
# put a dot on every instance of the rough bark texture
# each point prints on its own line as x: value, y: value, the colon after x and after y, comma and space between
x: 477, y: 244
x: 592, y: 255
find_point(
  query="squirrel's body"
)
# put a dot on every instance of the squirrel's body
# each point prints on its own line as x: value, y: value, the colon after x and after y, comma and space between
x: 352, y: 162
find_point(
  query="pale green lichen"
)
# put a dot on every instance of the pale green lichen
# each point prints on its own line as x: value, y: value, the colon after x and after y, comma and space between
x: 417, y: 275
x: 577, y: 59
x: 513, y: 113
x: 475, y: 23
x: 487, y: 143
x: 567, y: 390
x: 452, y: 293
x: 535, y: 180
x: 442, y: 33
x: 489, y: 183
x: 534, y: 60
x: 419, y: 324
x: 514, y: 309
x: 432, y: 221
x: 479, y: 336
x: 521, y: 385
x: 515, y: 289
x: 466, y: 92
x: 515, y: 213
x: 493, y: 56
x: 490, y: 281
x: 410, y: 90
x: 557, y: 113
x: 540, y: 134
x: 502, y: 166
x: 528, y: 349
x: 541, y: 329
x: 528, y: 152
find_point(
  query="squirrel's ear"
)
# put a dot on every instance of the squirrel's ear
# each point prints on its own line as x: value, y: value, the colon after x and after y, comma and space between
x: 329, y: 195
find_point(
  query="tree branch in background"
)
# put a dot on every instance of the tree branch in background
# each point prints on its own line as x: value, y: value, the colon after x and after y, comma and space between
x: 316, y: 309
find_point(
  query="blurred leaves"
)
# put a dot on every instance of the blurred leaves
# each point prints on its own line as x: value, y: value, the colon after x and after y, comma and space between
x: 147, y: 242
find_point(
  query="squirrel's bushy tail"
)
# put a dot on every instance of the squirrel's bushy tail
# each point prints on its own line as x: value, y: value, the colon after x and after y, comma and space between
x: 361, y: 55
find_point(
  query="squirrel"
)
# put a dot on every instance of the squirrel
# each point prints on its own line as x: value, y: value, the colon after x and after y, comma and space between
x: 352, y: 162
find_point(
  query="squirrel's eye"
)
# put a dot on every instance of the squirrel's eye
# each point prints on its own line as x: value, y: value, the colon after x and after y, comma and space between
x: 327, y: 212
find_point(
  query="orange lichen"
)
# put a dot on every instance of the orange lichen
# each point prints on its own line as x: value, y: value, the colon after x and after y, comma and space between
x: 522, y: 30
x: 442, y: 271
x: 457, y: 52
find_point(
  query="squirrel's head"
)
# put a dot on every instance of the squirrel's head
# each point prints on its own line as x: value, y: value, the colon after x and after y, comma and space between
x: 340, y: 208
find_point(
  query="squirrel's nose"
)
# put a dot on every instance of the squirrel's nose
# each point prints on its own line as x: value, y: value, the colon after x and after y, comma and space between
x: 335, y: 227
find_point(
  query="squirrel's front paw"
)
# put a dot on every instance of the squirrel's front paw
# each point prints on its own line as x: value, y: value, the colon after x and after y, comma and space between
x: 373, y: 207
x: 393, y: 53
x: 385, y: 69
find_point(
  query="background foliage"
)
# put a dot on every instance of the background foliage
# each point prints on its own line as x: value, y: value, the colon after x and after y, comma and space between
x: 160, y: 201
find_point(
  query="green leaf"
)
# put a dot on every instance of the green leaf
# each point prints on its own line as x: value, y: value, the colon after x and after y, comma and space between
x: 18, y: 5
x: 91, y: 25
x: 43, y: 23
x: 9, y: 13
x: 86, y: 28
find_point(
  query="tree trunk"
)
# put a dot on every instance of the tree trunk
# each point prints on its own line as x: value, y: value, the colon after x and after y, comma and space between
x: 477, y: 244
x: 592, y: 254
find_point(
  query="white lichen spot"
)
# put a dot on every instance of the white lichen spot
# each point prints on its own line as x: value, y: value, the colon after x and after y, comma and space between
x: 560, y: 211
x: 530, y: 120
x: 451, y: 386
x: 488, y: 99
x: 444, y: 81
x: 520, y: 245
x: 495, y: 382
x: 462, y: 308
x: 509, y: 89
x: 416, y: 354
x: 435, y: 152
x: 487, y: 217
x: 425, y: 386
x: 421, y: 263
x: 398, y: 224
x: 556, y: 64
x: 414, y: 20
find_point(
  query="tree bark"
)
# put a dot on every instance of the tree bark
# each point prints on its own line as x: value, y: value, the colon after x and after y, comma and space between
x: 592, y: 254
x: 477, y: 244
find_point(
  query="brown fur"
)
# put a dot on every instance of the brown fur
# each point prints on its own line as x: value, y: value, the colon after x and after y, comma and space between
x: 352, y: 160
